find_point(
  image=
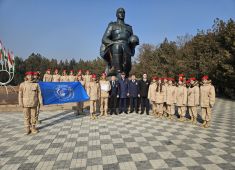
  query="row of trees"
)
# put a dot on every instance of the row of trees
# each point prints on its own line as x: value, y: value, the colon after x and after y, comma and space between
x: 210, y: 52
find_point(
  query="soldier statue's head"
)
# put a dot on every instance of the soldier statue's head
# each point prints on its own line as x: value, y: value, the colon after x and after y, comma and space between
x: 120, y: 14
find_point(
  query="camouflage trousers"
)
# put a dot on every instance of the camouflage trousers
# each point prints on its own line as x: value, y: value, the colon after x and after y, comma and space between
x: 181, y: 111
x: 171, y: 109
x: 103, y: 104
x: 30, y: 116
x: 206, y: 113
x: 192, y: 111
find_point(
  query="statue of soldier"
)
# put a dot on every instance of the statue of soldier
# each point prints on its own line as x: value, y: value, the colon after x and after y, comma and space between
x: 118, y: 45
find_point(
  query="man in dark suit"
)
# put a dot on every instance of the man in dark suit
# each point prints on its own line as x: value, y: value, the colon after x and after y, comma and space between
x: 133, y: 92
x: 143, y: 90
x: 113, y: 94
x: 123, y: 90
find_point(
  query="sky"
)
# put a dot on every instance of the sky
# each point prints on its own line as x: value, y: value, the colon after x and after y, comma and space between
x: 74, y: 28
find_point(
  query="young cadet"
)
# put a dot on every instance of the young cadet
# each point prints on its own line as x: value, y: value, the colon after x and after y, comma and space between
x: 87, y: 78
x: 160, y: 97
x: 56, y: 76
x: 193, y: 99
x: 165, y: 84
x: 71, y: 76
x: 104, y: 95
x: 79, y: 72
x: 207, y: 100
x: 93, y: 91
x: 29, y: 97
x: 36, y: 77
x: 64, y: 77
x: 47, y: 76
x: 152, y: 94
x: 171, y: 98
x: 80, y: 104
x: 181, y: 99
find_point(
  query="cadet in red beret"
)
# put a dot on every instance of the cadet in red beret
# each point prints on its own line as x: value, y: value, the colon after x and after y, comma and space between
x: 71, y: 76
x: 47, y: 76
x: 104, y: 94
x: 56, y: 76
x: 93, y: 91
x: 64, y: 77
x: 152, y: 94
x: 87, y: 78
x: 193, y: 99
x: 28, y: 100
x: 207, y: 100
x: 170, y: 98
x: 181, y: 99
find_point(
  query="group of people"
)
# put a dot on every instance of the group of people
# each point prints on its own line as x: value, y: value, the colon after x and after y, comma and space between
x: 166, y: 96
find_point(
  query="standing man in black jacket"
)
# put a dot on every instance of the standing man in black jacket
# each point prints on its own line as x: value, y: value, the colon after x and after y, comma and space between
x: 113, y: 95
x: 143, y: 91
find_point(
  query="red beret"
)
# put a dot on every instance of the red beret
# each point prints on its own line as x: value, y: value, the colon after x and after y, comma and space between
x: 35, y: 73
x: 103, y: 74
x: 192, y: 78
x: 93, y: 76
x: 171, y: 79
x: 205, y: 78
x: 29, y: 73
x: 154, y: 78
x: 181, y: 79
x: 181, y: 75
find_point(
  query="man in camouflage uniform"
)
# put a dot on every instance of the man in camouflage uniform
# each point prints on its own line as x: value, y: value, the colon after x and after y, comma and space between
x: 193, y: 99
x: 64, y: 77
x: 87, y: 78
x: 47, y: 76
x: 29, y: 97
x: 171, y: 98
x: 71, y: 77
x: 80, y: 104
x: 207, y: 100
x: 36, y: 77
x: 93, y: 91
x: 181, y: 99
x: 104, y: 95
x: 56, y: 76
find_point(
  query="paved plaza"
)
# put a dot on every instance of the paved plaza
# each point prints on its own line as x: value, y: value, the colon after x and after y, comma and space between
x: 132, y: 141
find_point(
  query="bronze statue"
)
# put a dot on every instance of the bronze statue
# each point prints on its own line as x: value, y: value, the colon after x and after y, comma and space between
x: 118, y: 45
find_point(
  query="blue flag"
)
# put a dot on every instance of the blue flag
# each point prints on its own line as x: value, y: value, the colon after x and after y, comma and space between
x: 62, y: 92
